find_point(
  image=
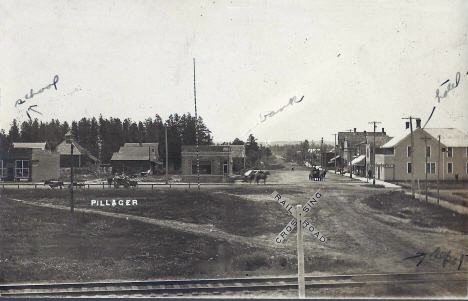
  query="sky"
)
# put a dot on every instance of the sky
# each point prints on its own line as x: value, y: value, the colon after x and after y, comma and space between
x: 353, y: 62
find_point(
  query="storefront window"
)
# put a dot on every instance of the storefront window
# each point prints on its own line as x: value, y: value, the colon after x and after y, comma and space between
x: 205, y: 167
x: 22, y: 169
x: 3, y: 169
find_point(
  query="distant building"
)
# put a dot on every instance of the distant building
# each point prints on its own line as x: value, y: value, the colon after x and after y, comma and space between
x: 215, y: 162
x: 356, y: 150
x: 136, y: 158
x: 29, y: 162
x: 394, y: 159
x: 81, y: 156
x: 238, y: 157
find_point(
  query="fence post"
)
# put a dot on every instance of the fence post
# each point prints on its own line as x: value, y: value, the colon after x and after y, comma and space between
x: 170, y: 186
x: 189, y: 185
x: 152, y: 186
x: 35, y: 186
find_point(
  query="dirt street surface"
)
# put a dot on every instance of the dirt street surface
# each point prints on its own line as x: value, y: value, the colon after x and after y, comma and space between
x: 367, y: 230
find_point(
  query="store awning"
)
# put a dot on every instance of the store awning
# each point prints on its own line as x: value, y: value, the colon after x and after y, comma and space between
x: 333, y: 159
x: 360, y: 161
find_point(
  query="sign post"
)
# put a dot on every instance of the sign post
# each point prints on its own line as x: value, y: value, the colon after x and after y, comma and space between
x: 298, y: 219
x: 300, y: 255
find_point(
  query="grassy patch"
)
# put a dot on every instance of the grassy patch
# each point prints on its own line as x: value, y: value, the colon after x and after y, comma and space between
x: 47, y: 245
x: 419, y: 213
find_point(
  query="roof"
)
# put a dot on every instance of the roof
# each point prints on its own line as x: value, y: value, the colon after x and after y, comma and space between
x: 153, y: 144
x: 206, y: 148
x: 65, y: 149
x: 449, y: 137
x: 35, y: 145
x: 130, y: 153
x: 238, y: 151
x: 359, y: 160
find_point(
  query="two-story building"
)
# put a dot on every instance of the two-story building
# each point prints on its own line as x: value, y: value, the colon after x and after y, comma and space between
x: 394, y: 160
x: 356, y: 150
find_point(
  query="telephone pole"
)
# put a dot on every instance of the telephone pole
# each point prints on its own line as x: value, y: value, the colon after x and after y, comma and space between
x: 412, y: 152
x: 425, y: 153
x: 373, y: 163
x: 438, y: 173
x: 335, y: 151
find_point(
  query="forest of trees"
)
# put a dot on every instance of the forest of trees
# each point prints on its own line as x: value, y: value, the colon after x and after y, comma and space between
x: 112, y: 134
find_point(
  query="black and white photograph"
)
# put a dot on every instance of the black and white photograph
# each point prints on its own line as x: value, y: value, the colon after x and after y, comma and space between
x: 236, y: 149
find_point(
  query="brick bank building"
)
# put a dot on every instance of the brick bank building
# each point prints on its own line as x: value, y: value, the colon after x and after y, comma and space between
x: 215, y: 162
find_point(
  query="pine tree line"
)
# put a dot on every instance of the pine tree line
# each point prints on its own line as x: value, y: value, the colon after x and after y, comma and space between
x: 112, y: 133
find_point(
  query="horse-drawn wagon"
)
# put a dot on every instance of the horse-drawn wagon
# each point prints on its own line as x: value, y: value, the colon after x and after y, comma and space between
x: 121, y: 180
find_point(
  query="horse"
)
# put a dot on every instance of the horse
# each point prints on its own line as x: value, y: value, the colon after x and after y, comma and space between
x: 262, y: 175
x: 323, y: 173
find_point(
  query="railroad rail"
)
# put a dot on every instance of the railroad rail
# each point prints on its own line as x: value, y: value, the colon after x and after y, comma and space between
x: 217, y: 287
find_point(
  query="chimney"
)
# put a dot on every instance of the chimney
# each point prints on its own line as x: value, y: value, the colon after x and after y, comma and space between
x: 407, y: 125
x: 418, y: 123
x: 383, y: 131
x: 355, y: 130
x: 365, y: 133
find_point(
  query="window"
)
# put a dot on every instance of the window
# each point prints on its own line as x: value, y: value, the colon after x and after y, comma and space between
x: 428, y: 151
x: 430, y: 168
x: 450, y: 152
x: 467, y: 152
x: 408, y: 151
x: 22, y: 169
x: 466, y: 167
x: 449, y: 167
x: 205, y: 167
x: 3, y: 169
x: 408, y: 167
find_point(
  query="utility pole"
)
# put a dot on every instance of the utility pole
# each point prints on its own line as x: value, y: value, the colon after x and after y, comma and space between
x: 412, y: 153
x: 438, y: 173
x: 425, y: 153
x: 374, y: 148
x: 321, y: 153
x: 72, y: 201
x: 167, y: 155
x: 196, y: 125
x: 335, y: 151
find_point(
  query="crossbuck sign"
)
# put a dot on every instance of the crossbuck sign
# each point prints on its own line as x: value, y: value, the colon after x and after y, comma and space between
x: 299, y: 218
x: 293, y: 223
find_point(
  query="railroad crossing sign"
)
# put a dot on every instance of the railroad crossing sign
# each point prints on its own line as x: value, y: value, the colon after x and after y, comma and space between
x: 293, y: 223
x: 298, y: 218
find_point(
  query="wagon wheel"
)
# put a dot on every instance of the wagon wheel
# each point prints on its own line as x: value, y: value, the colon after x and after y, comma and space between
x: 116, y: 184
x: 126, y: 184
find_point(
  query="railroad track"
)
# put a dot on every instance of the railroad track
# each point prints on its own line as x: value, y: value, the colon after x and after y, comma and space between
x: 216, y: 287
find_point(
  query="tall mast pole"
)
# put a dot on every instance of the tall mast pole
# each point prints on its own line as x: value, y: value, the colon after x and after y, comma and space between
x: 196, y: 124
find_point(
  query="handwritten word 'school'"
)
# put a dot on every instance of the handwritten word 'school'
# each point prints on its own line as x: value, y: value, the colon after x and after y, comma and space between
x: 272, y: 113
x: 31, y: 93
x: 449, y: 87
x: 446, y: 258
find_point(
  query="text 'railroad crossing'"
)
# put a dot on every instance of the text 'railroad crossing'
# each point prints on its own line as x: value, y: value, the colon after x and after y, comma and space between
x: 293, y: 223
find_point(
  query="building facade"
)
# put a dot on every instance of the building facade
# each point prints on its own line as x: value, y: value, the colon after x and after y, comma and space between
x: 394, y: 161
x: 28, y: 162
x: 136, y: 158
x: 215, y: 163
x: 356, y: 150
x: 81, y: 157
